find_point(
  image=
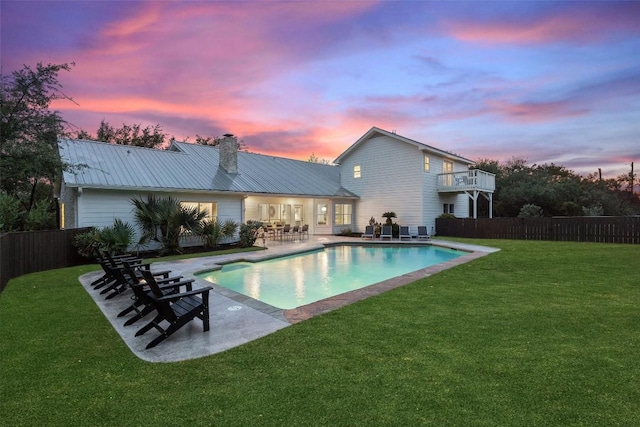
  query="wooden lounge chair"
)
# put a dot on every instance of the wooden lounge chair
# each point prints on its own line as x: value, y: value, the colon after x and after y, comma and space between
x: 387, y: 232
x: 404, y: 232
x: 142, y: 304
x: 422, y: 233
x: 175, y: 309
x: 368, y: 232
x: 114, y: 283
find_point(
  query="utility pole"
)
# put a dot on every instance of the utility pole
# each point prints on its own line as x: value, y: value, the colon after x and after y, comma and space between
x: 633, y: 178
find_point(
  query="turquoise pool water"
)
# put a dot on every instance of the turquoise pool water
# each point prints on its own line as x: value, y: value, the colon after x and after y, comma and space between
x: 296, y: 280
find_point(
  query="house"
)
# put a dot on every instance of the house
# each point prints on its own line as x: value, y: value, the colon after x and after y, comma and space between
x: 380, y: 172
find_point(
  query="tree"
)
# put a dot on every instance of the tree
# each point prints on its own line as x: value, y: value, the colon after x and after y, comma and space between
x: 214, y: 142
x: 556, y: 190
x: 136, y: 135
x: 29, y: 131
x: 315, y: 159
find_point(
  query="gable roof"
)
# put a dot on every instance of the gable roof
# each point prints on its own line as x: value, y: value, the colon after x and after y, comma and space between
x: 191, y: 167
x: 376, y: 132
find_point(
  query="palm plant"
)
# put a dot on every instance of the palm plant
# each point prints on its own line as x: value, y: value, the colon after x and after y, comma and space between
x: 388, y: 216
x: 165, y: 220
x: 211, y: 231
x: 117, y: 238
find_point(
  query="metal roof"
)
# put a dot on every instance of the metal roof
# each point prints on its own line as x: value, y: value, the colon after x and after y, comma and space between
x: 192, y: 167
x: 376, y: 131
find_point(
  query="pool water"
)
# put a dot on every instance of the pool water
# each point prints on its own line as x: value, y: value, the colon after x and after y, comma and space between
x: 296, y: 280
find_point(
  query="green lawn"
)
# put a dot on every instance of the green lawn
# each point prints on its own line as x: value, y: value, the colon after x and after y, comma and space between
x: 538, y: 334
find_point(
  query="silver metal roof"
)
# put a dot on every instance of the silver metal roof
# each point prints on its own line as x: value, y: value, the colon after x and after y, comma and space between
x: 192, y: 167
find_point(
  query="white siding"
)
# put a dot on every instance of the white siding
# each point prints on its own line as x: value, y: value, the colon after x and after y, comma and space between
x: 390, y: 181
x: 99, y: 208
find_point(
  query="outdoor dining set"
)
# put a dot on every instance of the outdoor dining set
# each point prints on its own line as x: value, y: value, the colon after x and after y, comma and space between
x: 286, y: 231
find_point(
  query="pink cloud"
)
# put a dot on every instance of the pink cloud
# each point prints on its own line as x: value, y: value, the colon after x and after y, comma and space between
x: 535, y: 112
x: 588, y: 22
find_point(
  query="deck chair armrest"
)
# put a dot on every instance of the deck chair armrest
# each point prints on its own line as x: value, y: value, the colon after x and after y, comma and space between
x: 169, y: 280
x: 176, y: 285
x: 198, y: 291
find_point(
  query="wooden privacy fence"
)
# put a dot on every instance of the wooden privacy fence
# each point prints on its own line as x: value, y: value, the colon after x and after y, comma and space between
x: 31, y: 251
x: 614, y: 229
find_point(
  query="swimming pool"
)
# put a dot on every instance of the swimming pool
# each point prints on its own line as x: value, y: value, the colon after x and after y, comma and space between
x: 296, y: 280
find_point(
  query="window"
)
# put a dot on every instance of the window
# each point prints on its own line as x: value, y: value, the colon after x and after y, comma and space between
x: 356, y: 171
x: 427, y: 166
x: 210, y: 209
x: 343, y: 214
x: 321, y: 214
x: 448, y: 208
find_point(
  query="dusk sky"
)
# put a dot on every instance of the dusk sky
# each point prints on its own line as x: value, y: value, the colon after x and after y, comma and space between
x: 544, y: 81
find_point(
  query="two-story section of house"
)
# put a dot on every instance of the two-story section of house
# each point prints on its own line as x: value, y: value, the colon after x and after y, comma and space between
x: 392, y: 173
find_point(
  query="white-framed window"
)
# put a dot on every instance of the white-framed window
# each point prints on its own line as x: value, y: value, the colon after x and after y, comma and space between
x: 448, y: 208
x: 343, y: 213
x: 322, y: 210
x: 427, y: 163
x: 356, y: 171
x: 210, y: 208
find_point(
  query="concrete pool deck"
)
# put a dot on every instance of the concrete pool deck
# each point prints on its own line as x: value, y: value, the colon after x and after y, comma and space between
x: 236, y: 319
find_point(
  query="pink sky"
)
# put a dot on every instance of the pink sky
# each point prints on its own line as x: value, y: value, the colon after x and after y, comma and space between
x: 545, y: 81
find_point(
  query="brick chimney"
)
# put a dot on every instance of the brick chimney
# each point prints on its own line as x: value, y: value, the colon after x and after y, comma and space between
x: 229, y: 153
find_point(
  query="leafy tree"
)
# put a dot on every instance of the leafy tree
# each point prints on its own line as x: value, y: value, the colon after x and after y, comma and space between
x: 214, y: 142
x: 29, y: 131
x: 556, y: 190
x: 136, y: 135
x: 165, y: 220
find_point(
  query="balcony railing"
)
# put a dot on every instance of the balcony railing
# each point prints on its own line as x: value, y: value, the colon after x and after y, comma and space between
x: 471, y: 180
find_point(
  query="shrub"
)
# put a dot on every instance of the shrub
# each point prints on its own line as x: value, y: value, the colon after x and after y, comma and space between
x: 88, y: 244
x: 447, y: 215
x: 9, y: 213
x: 530, y: 211
x: 388, y: 216
x: 345, y: 232
x: 212, y: 231
x: 116, y: 239
x: 596, y: 210
x: 40, y: 217
x: 248, y: 233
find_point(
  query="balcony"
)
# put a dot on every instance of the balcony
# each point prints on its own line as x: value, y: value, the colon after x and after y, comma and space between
x: 467, y: 181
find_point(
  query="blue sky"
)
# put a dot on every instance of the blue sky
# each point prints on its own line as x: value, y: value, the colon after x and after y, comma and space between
x: 545, y: 81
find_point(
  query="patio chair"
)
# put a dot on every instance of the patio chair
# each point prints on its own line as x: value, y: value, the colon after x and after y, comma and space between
x: 142, y: 304
x: 286, y: 231
x: 175, y: 309
x: 387, y: 232
x: 295, y: 231
x: 404, y: 232
x: 422, y: 233
x: 368, y: 232
x: 304, y: 230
